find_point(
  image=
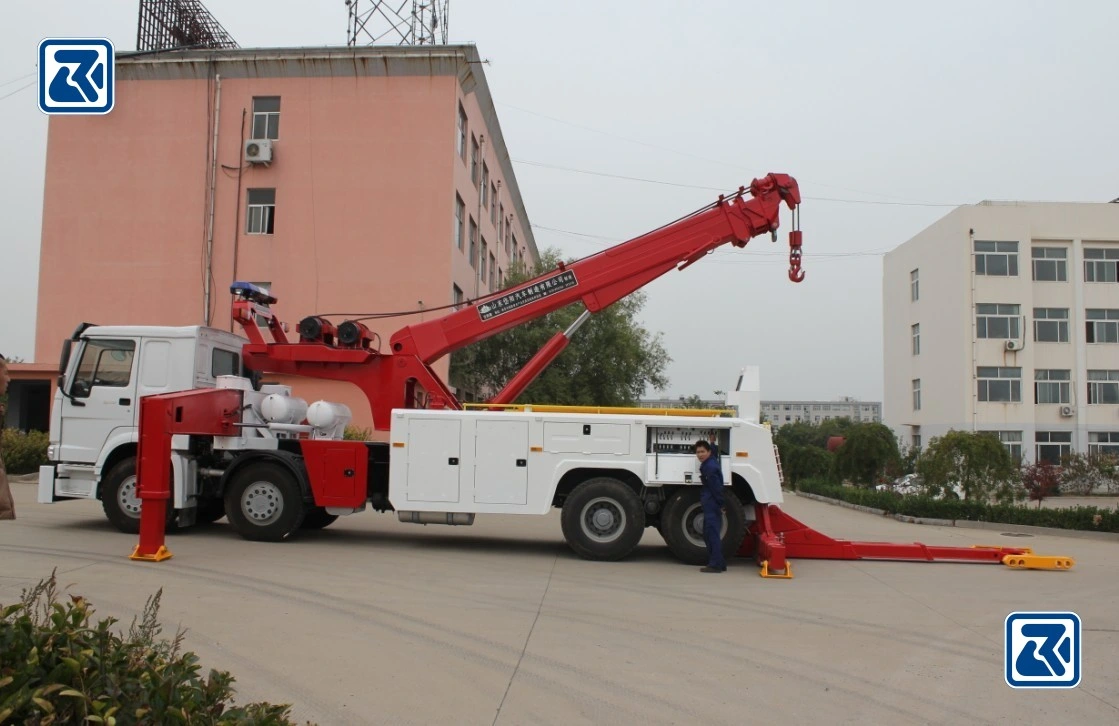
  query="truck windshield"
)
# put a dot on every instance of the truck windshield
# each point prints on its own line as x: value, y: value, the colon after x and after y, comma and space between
x: 103, y: 363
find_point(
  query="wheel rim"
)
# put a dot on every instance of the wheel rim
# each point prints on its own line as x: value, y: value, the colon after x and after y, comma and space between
x: 127, y: 498
x: 693, y: 525
x: 262, y: 503
x: 603, y: 519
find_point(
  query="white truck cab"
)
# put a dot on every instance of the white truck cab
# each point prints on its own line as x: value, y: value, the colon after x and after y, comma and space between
x: 104, y: 371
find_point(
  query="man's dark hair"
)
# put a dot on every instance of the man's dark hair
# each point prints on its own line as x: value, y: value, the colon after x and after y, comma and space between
x: 702, y: 444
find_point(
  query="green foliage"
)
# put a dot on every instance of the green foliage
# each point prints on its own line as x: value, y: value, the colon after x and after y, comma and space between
x: 23, y: 453
x: 974, y: 460
x: 56, y: 667
x: 802, y: 433
x: 869, y: 451
x: 356, y: 433
x: 805, y: 462
x: 692, y: 401
x: 1092, y: 519
x: 610, y: 362
x: 1085, y: 473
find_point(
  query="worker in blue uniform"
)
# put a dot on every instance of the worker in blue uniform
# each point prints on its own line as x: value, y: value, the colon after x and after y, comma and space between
x: 712, y: 498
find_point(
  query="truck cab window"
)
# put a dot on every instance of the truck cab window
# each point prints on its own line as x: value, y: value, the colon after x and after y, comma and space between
x: 103, y: 363
x: 225, y: 363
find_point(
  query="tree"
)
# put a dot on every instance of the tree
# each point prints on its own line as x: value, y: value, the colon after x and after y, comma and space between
x: 1085, y: 473
x: 975, y: 461
x: 805, y: 462
x: 1041, y: 480
x: 611, y: 360
x: 692, y: 401
x: 870, y: 449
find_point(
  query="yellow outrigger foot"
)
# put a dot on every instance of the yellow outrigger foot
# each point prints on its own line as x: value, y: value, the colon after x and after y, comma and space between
x: 160, y: 555
x: 788, y: 574
x: 1038, y: 562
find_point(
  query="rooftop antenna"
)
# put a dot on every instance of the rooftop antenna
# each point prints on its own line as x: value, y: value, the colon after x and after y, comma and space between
x: 171, y: 24
x: 396, y: 22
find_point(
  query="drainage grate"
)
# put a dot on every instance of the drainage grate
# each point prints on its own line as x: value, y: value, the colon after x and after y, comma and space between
x: 1016, y: 534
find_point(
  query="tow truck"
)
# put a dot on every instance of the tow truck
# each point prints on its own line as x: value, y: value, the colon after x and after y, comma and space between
x: 273, y: 465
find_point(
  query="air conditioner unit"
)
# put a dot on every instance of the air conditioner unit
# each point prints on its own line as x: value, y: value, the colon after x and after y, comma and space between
x: 1014, y: 345
x: 1067, y: 411
x: 258, y: 151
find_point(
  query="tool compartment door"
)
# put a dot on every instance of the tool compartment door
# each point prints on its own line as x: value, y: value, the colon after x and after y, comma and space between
x: 501, y: 462
x: 434, y: 453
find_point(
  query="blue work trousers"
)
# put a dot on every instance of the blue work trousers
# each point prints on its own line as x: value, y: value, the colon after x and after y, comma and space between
x: 712, y: 524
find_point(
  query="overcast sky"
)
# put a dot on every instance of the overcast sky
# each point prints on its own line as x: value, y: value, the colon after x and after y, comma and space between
x: 888, y: 113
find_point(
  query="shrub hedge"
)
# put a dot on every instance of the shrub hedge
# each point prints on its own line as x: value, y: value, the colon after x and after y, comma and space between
x: 23, y: 453
x: 1094, y: 519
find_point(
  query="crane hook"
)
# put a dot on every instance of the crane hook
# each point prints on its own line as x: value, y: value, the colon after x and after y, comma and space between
x: 796, y: 274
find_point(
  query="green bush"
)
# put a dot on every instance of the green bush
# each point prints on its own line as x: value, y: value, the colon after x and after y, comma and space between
x: 1093, y: 519
x: 57, y: 668
x: 356, y: 433
x: 23, y: 453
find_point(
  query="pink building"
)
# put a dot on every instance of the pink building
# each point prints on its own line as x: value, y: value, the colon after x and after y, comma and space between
x: 349, y: 180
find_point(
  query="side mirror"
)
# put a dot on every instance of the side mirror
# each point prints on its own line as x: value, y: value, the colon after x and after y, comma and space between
x: 65, y: 360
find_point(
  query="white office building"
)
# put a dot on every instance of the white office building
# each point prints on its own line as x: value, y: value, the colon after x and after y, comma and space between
x: 1004, y: 317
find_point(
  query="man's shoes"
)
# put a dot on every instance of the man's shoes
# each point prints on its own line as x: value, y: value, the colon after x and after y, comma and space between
x: 712, y: 569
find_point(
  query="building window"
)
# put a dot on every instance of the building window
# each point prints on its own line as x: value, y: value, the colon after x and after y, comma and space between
x: 1050, y: 264
x: 460, y: 221
x: 266, y: 117
x: 1103, y: 387
x: 513, y: 254
x: 914, y: 286
x: 1012, y: 440
x: 473, y: 243
x: 1000, y: 385
x: 1052, y: 386
x: 473, y: 160
x: 1103, y: 442
x: 998, y: 259
x: 1052, y: 445
x: 916, y: 441
x: 916, y: 394
x: 1102, y: 325
x: 460, y: 142
x: 482, y: 261
x: 1051, y: 325
x: 456, y: 296
x: 915, y: 331
x: 500, y: 223
x: 486, y: 186
x: 500, y: 278
x: 1101, y: 264
x: 997, y: 321
x: 261, y: 216
x: 493, y: 272
x: 493, y: 208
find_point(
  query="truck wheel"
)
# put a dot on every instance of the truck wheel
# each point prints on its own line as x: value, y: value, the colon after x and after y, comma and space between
x: 120, y: 498
x: 682, y: 526
x: 603, y: 519
x: 264, y: 502
x: 318, y: 518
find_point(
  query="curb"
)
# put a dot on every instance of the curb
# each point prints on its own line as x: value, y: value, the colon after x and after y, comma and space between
x: 23, y: 479
x: 967, y: 523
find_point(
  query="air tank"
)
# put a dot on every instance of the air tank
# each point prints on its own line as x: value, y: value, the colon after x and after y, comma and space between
x: 328, y: 415
x: 276, y: 408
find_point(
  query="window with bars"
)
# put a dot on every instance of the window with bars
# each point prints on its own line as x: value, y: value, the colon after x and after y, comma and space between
x: 266, y: 117
x: 474, y: 149
x: 260, y: 217
x: 915, y: 332
x: 916, y: 394
x: 914, y: 285
x: 460, y: 221
x: 473, y: 242
x: 1103, y: 387
x: 486, y: 186
x: 456, y: 296
x: 493, y: 272
x: 1101, y: 264
x: 1103, y: 442
x: 997, y: 259
x: 482, y: 260
x: 997, y: 321
x: 460, y: 140
x: 999, y: 385
x: 1051, y: 325
x: 1050, y: 264
x: 1052, y: 445
x: 1102, y: 325
x: 1052, y: 386
x: 493, y: 208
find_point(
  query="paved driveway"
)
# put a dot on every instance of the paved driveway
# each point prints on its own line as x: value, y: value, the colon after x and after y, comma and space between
x: 373, y: 621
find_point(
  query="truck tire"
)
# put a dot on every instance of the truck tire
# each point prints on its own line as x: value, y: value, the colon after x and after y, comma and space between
x: 264, y: 502
x: 603, y: 519
x: 120, y: 500
x: 682, y: 526
x: 318, y: 518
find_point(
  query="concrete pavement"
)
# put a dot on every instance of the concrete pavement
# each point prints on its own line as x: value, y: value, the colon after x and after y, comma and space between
x: 374, y: 621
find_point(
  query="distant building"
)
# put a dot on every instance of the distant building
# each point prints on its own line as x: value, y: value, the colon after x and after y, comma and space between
x: 778, y: 413
x: 1004, y: 317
